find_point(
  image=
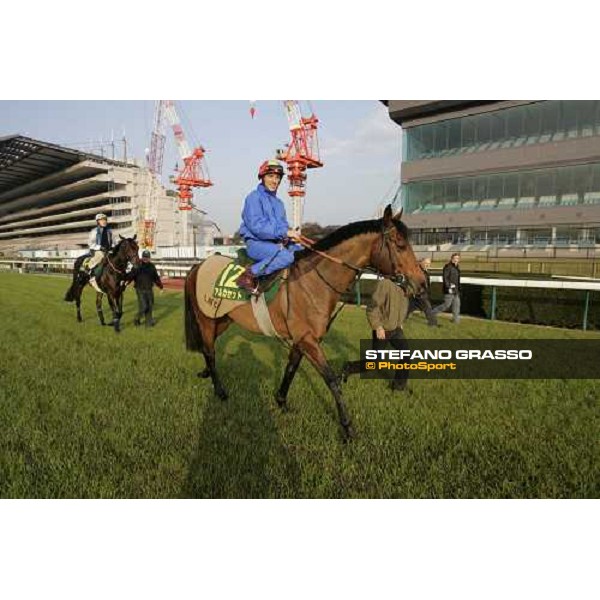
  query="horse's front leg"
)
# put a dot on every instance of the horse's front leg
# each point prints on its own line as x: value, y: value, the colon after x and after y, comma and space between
x: 293, y: 362
x: 313, y: 351
x: 99, y: 308
x: 78, y: 293
x: 115, y: 311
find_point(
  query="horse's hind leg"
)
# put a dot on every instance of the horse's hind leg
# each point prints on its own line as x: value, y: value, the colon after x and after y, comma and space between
x: 315, y: 354
x: 221, y: 327
x: 210, y: 330
x: 99, y: 308
x: 293, y: 362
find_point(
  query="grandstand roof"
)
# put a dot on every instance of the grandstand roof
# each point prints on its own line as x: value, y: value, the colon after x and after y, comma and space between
x: 24, y: 159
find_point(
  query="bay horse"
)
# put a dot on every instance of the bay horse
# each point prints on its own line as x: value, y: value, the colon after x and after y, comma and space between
x: 302, y: 308
x: 113, y: 274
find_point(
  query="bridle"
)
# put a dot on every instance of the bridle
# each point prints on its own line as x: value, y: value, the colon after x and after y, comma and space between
x: 114, y: 268
x: 400, y: 279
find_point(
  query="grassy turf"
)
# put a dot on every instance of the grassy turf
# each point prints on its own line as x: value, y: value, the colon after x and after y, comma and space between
x: 88, y: 413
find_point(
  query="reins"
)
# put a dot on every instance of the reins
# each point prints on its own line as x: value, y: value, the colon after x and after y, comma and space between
x: 113, y: 266
x: 309, y: 245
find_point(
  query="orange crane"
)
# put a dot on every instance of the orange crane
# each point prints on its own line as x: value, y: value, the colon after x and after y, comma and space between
x: 194, y: 172
x: 300, y: 154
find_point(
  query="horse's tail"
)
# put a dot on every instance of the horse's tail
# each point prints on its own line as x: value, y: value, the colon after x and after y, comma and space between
x: 70, y: 295
x: 193, y: 335
x: 71, y: 292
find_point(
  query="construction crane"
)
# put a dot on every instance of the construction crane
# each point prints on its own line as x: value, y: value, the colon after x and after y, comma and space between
x: 147, y: 226
x: 300, y: 154
x: 194, y: 172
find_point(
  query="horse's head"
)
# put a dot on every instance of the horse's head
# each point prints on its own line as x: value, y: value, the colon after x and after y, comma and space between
x: 392, y: 254
x: 128, y: 249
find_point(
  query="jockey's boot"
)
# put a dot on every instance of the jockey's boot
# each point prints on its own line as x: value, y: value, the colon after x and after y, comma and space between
x: 248, y: 281
x: 94, y: 284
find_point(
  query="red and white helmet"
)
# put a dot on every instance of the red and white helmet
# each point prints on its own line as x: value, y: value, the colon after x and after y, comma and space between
x: 270, y: 166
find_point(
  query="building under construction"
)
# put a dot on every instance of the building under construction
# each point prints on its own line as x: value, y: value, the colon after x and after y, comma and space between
x: 49, y: 196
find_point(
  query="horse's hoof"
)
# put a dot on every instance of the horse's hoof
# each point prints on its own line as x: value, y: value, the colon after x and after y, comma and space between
x: 222, y: 394
x: 282, y: 403
x: 204, y: 374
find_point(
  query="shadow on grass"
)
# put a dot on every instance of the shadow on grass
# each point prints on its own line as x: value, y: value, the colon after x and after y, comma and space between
x: 164, y: 306
x: 240, y: 453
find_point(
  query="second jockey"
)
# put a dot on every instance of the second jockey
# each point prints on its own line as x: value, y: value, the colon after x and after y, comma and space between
x: 100, y: 242
x: 265, y: 229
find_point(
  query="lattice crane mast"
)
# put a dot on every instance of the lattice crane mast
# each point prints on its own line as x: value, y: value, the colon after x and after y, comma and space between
x: 147, y: 230
x: 300, y: 154
x: 194, y: 172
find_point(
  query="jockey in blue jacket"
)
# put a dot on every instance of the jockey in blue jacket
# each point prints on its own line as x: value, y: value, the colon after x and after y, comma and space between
x: 265, y: 228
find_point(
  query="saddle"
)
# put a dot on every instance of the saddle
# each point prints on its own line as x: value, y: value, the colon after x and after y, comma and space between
x: 216, y: 288
x: 226, y: 286
x: 85, y: 267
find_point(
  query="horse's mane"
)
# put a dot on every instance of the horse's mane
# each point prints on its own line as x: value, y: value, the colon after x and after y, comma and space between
x: 349, y: 231
x: 116, y: 248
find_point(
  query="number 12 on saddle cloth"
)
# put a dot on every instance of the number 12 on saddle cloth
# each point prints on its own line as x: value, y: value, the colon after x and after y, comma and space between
x: 225, y: 286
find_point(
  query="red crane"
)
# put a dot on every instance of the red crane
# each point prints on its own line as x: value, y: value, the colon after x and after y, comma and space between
x: 193, y: 174
x: 300, y: 154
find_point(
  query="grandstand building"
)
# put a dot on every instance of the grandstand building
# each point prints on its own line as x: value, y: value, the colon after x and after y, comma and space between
x: 504, y: 173
x: 49, y: 196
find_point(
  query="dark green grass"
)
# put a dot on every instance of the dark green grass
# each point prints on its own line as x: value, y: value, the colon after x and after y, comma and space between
x: 88, y: 413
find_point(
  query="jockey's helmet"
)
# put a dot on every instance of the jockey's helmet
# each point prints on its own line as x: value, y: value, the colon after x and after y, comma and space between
x: 146, y: 254
x: 270, y: 166
x: 101, y: 216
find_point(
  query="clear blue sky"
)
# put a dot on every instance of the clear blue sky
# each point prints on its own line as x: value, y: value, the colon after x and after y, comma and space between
x: 360, y: 147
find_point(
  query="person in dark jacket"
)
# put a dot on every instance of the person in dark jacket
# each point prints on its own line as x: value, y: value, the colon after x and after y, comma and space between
x: 386, y: 313
x: 265, y: 229
x: 145, y: 277
x: 451, y: 284
x: 422, y: 301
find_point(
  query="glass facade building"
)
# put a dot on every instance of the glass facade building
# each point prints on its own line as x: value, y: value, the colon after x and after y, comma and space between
x: 501, y: 172
x: 560, y: 186
x: 538, y: 123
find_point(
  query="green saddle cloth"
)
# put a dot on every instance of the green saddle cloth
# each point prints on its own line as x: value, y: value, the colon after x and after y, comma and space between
x: 97, y: 270
x: 226, y: 287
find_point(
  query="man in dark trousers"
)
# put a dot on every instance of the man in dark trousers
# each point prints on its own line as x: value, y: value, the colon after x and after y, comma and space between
x: 422, y: 302
x: 386, y: 313
x: 451, y: 283
x: 145, y: 277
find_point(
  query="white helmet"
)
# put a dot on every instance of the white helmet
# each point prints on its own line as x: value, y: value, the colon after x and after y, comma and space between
x: 101, y: 216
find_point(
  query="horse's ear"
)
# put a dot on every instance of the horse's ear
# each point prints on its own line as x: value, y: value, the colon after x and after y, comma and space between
x: 387, y: 216
x: 398, y: 215
x: 121, y: 237
x: 134, y: 237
